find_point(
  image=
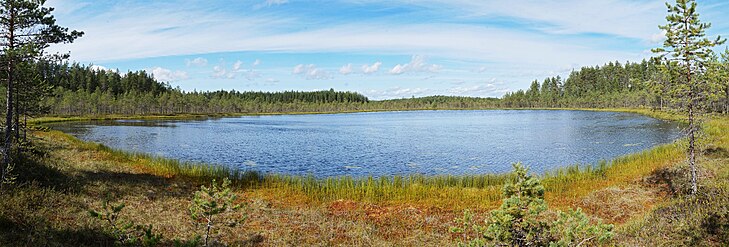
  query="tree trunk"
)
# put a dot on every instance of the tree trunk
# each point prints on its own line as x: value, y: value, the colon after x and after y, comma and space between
x: 25, y: 127
x: 7, y: 142
x: 726, y: 100
x: 692, y: 142
x: 16, y: 115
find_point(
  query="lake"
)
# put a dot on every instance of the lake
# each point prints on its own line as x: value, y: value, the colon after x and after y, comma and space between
x: 389, y: 143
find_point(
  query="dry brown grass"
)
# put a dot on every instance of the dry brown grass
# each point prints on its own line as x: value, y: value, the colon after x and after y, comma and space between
x: 53, y: 209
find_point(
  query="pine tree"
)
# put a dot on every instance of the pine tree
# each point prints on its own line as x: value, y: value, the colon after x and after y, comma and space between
x: 724, y: 77
x: 26, y: 30
x: 684, y: 54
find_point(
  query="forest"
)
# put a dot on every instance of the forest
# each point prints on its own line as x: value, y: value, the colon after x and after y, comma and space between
x: 82, y: 91
x: 642, y: 84
x: 79, y: 90
x: 58, y: 190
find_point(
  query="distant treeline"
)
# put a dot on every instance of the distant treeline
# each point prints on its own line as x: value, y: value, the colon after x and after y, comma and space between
x: 616, y: 85
x: 611, y: 85
x: 83, y: 90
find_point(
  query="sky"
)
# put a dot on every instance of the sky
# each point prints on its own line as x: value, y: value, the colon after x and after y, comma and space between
x: 383, y: 49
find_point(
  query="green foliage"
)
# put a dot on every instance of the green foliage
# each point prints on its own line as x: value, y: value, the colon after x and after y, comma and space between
x: 8, y: 176
x: 125, y: 232
x: 700, y: 220
x: 522, y: 220
x: 212, y: 202
x: 574, y: 229
x: 519, y: 220
x: 685, y: 56
x: 610, y: 85
x: 28, y: 29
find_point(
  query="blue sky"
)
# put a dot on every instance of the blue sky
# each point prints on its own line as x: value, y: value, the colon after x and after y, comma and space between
x: 381, y: 48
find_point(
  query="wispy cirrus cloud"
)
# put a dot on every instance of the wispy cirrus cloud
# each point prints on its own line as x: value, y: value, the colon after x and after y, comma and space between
x: 513, y: 41
x: 165, y: 29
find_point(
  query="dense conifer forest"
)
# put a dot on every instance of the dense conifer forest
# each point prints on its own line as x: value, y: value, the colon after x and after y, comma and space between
x: 79, y: 90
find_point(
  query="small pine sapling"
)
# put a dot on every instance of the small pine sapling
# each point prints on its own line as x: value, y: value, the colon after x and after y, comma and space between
x: 211, y: 204
x: 126, y: 233
x: 521, y: 220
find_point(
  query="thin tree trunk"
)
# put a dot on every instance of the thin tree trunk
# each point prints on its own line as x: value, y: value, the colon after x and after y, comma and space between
x: 7, y: 142
x: 692, y: 142
x: 25, y: 127
x: 692, y: 128
x: 726, y: 100
x: 207, y: 232
x: 16, y: 115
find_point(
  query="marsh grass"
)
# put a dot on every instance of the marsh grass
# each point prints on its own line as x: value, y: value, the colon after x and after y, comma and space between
x: 685, y: 220
x: 392, y: 211
x: 482, y: 191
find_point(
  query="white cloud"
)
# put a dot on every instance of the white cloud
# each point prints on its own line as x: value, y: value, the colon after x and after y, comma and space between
x: 276, y: 2
x: 269, y: 33
x: 98, y: 67
x: 658, y: 38
x: 166, y: 75
x: 311, y: 72
x: 398, y: 92
x: 270, y: 3
x: 367, y: 69
x: 163, y: 28
x: 271, y: 80
x: 298, y: 69
x: 469, y: 89
x: 65, y: 7
x: 196, y: 62
x: 317, y: 74
x: 398, y: 69
x: 237, y: 66
x: 417, y: 64
x: 346, y: 69
x: 492, y: 87
x: 626, y: 18
x: 481, y: 69
x: 219, y: 72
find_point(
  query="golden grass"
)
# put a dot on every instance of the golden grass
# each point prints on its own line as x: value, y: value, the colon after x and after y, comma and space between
x: 296, y: 210
x: 565, y: 186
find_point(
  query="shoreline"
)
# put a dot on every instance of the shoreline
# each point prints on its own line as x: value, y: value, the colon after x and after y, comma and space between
x: 663, y: 115
x: 69, y: 176
x: 666, y: 116
x: 558, y: 179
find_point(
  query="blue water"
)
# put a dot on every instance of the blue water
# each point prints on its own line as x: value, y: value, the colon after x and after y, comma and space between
x: 389, y: 143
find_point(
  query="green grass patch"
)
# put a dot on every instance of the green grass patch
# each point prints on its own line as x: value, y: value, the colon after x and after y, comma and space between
x: 564, y: 185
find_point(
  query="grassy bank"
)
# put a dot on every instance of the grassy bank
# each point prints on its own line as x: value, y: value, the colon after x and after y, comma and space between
x: 471, y: 191
x: 70, y: 176
x: 52, y: 119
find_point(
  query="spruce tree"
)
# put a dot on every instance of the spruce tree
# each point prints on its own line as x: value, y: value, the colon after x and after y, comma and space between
x: 684, y: 55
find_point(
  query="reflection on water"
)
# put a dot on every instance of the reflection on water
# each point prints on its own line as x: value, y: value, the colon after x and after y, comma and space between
x: 388, y: 143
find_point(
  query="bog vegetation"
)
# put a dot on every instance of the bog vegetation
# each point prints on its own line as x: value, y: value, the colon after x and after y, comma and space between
x: 51, y: 183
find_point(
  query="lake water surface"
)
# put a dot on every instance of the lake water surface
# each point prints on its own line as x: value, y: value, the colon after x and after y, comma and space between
x: 389, y: 143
